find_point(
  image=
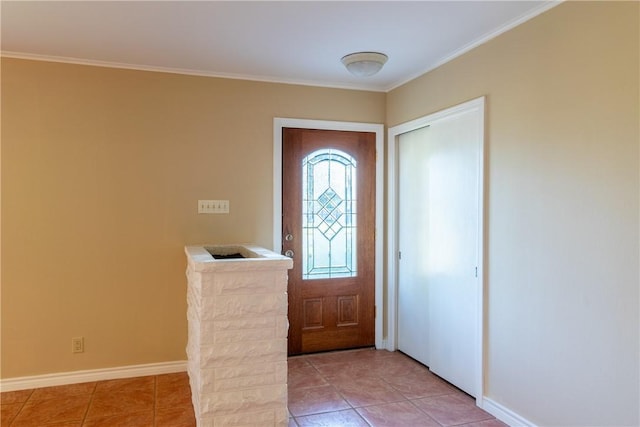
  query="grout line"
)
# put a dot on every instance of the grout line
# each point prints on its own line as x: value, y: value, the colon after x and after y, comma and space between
x: 86, y: 411
x: 155, y: 399
x: 21, y: 407
x: 362, y: 418
x: 423, y: 411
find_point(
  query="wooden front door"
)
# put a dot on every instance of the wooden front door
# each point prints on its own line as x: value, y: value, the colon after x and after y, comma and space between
x: 328, y: 224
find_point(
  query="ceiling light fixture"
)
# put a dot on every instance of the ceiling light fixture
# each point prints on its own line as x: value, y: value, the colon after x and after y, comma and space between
x: 364, y: 64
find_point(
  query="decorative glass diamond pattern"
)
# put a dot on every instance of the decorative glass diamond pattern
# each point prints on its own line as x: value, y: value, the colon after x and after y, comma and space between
x: 329, y: 215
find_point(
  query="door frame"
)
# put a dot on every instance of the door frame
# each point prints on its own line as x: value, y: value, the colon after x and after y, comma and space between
x: 478, y: 105
x: 378, y: 129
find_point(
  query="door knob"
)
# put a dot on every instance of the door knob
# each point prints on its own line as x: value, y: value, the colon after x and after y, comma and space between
x: 288, y: 237
x: 289, y: 253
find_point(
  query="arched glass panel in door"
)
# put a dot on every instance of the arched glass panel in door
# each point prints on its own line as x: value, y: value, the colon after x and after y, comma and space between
x: 329, y: 215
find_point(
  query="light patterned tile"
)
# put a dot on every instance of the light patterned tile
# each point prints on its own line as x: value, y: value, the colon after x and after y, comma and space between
x: 452, y: 409
x: 396, y: 414
x: 63, y: 391
x: 126, y: 384
x: 365, y: 391
x: 120, y: 402
x: 8, y: 412
x: 313, y: 400
x: 122, y: 396
x: 175, y: 417
x: 173, y: 396
x: 297, y: 362
x: 15, y: 396
x: 346, y: 370
x: 420, y: 384
x: 173, y: 390
x: 487, y: 423
x: 305, y: 376
x: 172, y: 380
x: 347, y: 418
x: 398, y: 366
x: 348, y: 356
x: 63, y: 409
x: 66, y: 424
x: 135, y: 419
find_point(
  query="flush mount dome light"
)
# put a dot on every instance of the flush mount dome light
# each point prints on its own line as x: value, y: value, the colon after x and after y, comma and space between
x: 364, y: 64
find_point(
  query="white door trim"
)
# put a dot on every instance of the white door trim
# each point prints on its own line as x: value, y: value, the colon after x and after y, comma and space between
x: 392, y: 229
x: 378, y: 129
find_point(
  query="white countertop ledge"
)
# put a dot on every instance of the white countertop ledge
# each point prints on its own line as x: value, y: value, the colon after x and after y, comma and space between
x: 255, y: 258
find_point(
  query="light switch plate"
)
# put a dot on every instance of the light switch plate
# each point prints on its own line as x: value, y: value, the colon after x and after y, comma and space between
x: 213, y: 206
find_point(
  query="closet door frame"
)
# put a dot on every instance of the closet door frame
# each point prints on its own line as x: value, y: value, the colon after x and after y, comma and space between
x: 477, y: 105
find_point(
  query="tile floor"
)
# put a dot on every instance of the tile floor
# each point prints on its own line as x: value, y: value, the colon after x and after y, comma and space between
x: 376, y: 388
x: 160, y: 400
x: 349, y: 388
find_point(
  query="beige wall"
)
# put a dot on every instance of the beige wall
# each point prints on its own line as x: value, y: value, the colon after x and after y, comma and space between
x: 101, y: 173
x: 562, y: 208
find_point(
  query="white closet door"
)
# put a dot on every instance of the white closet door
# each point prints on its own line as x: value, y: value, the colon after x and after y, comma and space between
x: 413, y: 232
x: 438, y: 241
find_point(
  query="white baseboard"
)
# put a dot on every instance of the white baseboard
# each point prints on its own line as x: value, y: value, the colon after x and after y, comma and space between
x: 381, y: 345
x: 64, y: 378
x: 504, y: 414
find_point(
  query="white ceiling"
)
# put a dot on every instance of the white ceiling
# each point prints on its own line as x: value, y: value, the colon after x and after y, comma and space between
x: 284, y: 41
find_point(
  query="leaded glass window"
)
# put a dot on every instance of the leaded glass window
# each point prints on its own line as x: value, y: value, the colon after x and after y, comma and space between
x: 329, y: 215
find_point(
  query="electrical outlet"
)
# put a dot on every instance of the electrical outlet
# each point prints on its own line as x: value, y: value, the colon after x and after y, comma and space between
x: 213, y: 206
x: 77, y: 345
